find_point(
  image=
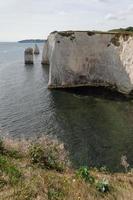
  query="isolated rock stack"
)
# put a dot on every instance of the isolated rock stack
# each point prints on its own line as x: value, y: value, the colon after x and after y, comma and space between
x: 36, y: 50
x: 28, y: 54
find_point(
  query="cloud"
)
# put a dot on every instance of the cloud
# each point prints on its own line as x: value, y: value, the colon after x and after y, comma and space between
x: 121, y: 15
x: 36, y: 18
x: 111, y: 16
x: 105, y: 1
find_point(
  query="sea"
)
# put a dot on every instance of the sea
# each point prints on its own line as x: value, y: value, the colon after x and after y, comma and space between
x: 95, y: 125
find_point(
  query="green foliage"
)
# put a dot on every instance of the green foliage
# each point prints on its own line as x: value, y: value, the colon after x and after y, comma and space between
x: 55, y: 194
x: 128, y: 29
x: 83, y: 173
x: 36, y: 154
x: 13, y: 153
x: 45, y: 158
x: 11, y: 171
x: 102, y: 185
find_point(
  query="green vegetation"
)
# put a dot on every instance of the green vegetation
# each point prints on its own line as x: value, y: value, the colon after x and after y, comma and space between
x: 46, y: 157
x: 121, y: 30
x: 66, y: 33
x: 9, y: 170
x: 84, y: 173
x: 42, y: 171
x: 103, y: 185
x: 90, y: 33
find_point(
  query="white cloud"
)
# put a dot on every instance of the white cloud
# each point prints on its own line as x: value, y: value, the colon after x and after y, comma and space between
x: 123, y: 14
x: 36, y: 18
x: 111, y: 16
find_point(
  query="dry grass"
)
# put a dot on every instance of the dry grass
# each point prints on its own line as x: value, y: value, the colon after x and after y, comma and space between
x: 37, y: 183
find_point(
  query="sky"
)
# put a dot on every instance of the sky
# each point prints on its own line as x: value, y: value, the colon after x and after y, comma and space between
x: 25, y: 19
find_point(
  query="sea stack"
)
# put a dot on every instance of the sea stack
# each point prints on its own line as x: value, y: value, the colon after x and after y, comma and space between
x: 36, y: 50
x: 45, y: 59
x: 29, y: 56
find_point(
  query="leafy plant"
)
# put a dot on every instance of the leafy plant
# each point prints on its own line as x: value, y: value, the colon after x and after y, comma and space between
x: 102, y: 185
x: 83, y: 173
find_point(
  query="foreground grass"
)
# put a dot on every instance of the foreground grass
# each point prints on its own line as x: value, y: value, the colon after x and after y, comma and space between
x: 41, y: 171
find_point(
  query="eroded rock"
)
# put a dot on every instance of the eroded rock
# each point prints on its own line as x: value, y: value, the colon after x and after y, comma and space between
x: 84, y: 58
x: 36, y: 50
x: 45, y: 59
x: 28, y: 55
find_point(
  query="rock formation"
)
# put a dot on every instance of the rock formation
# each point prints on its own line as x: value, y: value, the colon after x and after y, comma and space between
x: 84, y: 58
x: 36, y: 50
x: 45, y: 60
x: 28, y: 55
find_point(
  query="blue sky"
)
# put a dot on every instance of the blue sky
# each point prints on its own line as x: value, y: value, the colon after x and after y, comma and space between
x: 23, y: 19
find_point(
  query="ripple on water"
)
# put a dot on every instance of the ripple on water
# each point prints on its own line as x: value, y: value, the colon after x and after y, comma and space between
x: 97, y: 129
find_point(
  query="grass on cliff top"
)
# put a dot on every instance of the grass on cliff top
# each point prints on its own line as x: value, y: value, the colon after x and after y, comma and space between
x: 41, y: 171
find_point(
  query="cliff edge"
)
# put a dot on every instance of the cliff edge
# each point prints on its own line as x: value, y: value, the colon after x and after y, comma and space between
x: 85, y: 58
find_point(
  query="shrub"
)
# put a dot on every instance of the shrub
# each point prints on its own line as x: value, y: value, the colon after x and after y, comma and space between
x: 47, y: 156
x: 83, y: 173
x: 102, y: 185
x: 36, y: 153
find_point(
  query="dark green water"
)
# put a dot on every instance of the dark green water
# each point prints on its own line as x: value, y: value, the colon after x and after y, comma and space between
x: 97, y: 128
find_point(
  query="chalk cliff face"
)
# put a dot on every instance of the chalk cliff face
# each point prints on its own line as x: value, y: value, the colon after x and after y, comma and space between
x: 90, y: 59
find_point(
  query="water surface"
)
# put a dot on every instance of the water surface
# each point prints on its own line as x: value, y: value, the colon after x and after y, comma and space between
x: 96, y: 129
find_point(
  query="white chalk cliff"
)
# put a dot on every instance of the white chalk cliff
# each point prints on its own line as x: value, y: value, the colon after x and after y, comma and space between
x: 90, y: 59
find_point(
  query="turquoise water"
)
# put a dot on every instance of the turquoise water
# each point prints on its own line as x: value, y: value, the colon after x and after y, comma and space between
x: 96, y: 127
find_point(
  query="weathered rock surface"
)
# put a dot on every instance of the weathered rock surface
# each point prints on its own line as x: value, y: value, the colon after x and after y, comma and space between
x: 45, y: 59
x: 28, y: 56
x: 90, y: 59
x: 36, y: 50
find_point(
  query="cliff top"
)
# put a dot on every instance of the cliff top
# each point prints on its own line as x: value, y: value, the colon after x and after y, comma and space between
x: 70, y: 32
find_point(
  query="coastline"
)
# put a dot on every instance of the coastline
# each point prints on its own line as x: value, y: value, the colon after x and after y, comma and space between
x: 41, y: 170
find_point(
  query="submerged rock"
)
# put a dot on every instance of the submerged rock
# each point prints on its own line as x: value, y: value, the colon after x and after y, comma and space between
x: 85, y: 58
x: 29, y: 56
x: 36, y: 50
